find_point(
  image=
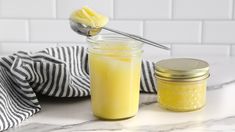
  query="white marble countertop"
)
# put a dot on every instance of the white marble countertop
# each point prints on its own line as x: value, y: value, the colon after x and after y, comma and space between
x: 70, y: 115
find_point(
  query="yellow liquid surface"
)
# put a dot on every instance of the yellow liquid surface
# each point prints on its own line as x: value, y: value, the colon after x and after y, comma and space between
x: 182, y: 96
x: 115, y: 82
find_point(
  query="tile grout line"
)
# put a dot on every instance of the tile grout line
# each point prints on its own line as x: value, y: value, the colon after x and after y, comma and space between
x: 113, y: 10
x: 55, y: 13
x: 143, y: 28
x: 231, y: 13
x: 201, y: 32
x: 171, y: 8
x: 55, y: 3
x: 43, y: 42
x: 0, y: 10
x: 171, y: 17
x: 28, y: 31
x: 171, y: 51
x: 121, y: 19
x: 230, y: 50
x: 167, y: 19
x: 166, y: 43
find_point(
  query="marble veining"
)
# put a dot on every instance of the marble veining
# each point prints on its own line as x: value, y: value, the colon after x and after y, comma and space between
x: 218, y: 86
x: 225, y: 124
x: 74, y: 115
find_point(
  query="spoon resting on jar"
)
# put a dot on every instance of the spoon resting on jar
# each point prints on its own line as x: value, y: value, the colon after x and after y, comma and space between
x: 89, y: 23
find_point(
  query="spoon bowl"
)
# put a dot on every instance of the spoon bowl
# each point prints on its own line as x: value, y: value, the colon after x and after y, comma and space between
x: 83, y: 29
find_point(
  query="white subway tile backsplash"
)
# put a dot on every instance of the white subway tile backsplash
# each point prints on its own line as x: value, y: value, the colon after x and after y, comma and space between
x: 202, y: 9
x: 13, y: 30
x: 185, y: 24
x: 219, y: 32
x: 27, y: 8
x: 142, y: 9
x: 151, y: 53
x: 173, y: 31
x: 233, y: 50
x: 134, y: 27
x: 10, y: 48
x: 66, y: 7
x: 53, y: 31
x: 188, y: 50
x: 71, y: 44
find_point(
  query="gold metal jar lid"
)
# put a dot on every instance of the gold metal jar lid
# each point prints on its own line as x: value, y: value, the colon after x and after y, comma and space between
x: 182, y: 69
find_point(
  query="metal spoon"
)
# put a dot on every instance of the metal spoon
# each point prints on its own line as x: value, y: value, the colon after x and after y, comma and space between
x: 90, y: 31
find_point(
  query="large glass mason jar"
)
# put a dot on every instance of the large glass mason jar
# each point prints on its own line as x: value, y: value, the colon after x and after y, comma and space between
x: 115, y: 68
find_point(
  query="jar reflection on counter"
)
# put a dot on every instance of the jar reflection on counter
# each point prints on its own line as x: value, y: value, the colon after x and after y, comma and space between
x: 181, y: 83
x: 115, y: 66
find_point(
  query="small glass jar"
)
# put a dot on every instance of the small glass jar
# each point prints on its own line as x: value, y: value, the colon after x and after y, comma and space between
x: 114, y: 67
x: 181, y: 83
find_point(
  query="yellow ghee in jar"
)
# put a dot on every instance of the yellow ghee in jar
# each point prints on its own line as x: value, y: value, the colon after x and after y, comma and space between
x: 181, y: 83
x: 114, y: 66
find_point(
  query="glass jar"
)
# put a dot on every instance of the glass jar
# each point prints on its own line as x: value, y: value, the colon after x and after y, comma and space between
x: 181, y: 83
x: 115, y: 68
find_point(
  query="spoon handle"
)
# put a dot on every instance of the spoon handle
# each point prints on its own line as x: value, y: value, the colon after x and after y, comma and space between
x: 138, y: 38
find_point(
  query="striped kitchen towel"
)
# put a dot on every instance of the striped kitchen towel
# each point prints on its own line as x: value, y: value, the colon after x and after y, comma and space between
x: 57, y: 72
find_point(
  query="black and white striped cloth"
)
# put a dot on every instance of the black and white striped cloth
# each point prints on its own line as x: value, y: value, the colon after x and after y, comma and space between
x: 57, y: 72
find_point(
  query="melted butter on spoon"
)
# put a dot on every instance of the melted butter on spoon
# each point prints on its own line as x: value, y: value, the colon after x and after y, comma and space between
x: 89, y: 17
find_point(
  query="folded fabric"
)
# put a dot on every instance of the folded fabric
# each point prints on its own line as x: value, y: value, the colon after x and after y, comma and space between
x: 57, y: 72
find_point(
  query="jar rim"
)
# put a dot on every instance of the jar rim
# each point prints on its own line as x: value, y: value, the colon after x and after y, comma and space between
x: 193, y: 79
x: 182, y: 69
x: 98, y: 40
